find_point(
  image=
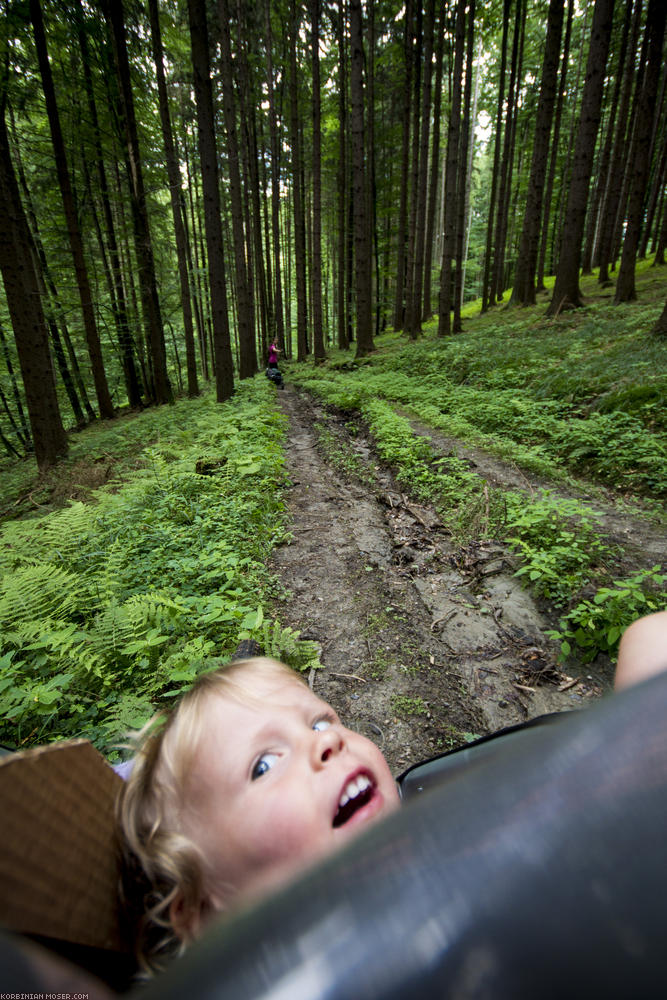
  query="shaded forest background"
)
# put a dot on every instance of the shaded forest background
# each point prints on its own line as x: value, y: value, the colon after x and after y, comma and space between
x: 181, y: 183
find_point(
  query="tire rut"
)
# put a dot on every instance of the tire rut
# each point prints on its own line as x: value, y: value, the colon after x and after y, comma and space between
x: 422, y: 645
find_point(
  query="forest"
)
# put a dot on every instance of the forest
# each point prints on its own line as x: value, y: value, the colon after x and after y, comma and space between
x: 450, y: 212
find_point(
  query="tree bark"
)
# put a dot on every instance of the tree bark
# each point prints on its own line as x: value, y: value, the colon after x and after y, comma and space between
x: 415, y: 306
x: 297, y: 190
x: 342, y: 175
x: 487, y: 297
x: 247, y: 352
x: 74, y: 234
x: 224, y: 368
x: 516, y: 74
x: 279, y: 331
x: 399, y: 307
x: 565, y: 58
x: 451, y: 192
x: 566, y: 288
x: 27, y: 317
x: 174, y: 175
x: 523, y: 292
x: 462, y: 181
x: 142, y: 237
x: 660, y: 328
x: 620, y: 149
x: 427, y: 306
x: 655, y: 31
x: 318, y: 334
x: 362, y: 250
x: 409, y: 321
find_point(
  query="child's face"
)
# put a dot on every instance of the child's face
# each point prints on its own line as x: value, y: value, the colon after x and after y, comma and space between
x: 276, y: 784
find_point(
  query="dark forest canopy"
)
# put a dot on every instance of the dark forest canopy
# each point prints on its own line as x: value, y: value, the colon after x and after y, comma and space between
x: 182, y: 182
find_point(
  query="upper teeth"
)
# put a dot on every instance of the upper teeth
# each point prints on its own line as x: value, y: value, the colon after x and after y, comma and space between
x: 354, y: 788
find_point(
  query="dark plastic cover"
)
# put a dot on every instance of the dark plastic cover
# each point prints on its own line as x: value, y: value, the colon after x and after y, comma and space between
x: 539, y: 872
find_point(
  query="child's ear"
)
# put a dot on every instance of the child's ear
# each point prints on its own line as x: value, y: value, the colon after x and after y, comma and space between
x: 188, y: 918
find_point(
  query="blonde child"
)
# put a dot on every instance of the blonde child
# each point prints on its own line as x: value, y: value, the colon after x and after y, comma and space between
x: 250, y: 780
x: 253, y: 778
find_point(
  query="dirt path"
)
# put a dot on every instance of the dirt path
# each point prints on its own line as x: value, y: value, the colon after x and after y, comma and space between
x: 422, y: 645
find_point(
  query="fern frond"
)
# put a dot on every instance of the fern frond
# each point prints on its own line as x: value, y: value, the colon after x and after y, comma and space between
x: 41, y: 592
x: 56, y: 647
x: 285, y: 645
x: 55, y: 538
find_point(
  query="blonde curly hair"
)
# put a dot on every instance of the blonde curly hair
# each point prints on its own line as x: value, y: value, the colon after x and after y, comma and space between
x: 163, y: 869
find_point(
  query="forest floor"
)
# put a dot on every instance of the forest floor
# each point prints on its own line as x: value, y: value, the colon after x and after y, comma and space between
x: 425, y: 644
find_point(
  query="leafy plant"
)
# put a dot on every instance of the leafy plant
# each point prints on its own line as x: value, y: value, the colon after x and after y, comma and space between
x: 558, y: 541
x: 596, y: 625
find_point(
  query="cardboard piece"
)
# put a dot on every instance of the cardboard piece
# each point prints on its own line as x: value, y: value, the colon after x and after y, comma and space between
x: 59, y: 866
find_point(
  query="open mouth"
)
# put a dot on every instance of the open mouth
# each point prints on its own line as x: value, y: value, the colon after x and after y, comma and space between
x: 355, y: 795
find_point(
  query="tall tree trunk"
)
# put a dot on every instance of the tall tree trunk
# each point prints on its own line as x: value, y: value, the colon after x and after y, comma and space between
x: 427, y: 306
x: 399, y: 307
x: 451, y: 191
x: 523, y: 292
x: 660, y: 328
x: 342, y: 176
x: 279, y: 331
x: 27, y: 317
x: 192, y: 239
x: 297, y: 193
x: 362, y: 250
x: 116, y: 289
x: 224, y: 368
x: 144, y: 248
x: 74, y: 234
x: 53, y: 309
x: 487, y: 297
x: 414, y: 178
x: 22, y: 431
x: 318, y: 335
x: 415, y: 306
x: 462, y: 181
x: 553, y: 157
x: 174, y: 175
x: 566, y: 288
x: 620, y: 151
x: 595, y: 220
x: 500, y: 282
x: 247, y: 352
x: 652, y: 227
x: 19, y: 423
x: 655, y: 30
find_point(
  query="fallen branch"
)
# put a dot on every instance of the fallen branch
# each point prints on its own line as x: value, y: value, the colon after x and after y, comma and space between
x: 524, y: 687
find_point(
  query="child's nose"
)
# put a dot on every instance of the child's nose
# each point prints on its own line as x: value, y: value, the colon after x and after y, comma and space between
x: 326, y: 744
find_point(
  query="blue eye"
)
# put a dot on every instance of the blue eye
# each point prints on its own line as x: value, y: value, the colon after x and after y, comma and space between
x: 321, y: 725
x: 264, y: 764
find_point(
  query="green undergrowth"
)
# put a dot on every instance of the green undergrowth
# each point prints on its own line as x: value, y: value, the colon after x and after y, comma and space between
x: 110, y: 607
x: 581, y: 395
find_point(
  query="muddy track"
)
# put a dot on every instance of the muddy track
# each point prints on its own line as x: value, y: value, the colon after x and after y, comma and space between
x: 422, y: 644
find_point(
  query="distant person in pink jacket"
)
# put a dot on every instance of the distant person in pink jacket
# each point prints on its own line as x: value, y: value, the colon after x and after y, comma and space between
x: 274, y: 351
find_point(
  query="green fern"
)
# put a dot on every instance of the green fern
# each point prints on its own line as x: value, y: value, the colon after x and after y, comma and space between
x: 55, y: 538
x: 43, y: 592
x: 285, y: 645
